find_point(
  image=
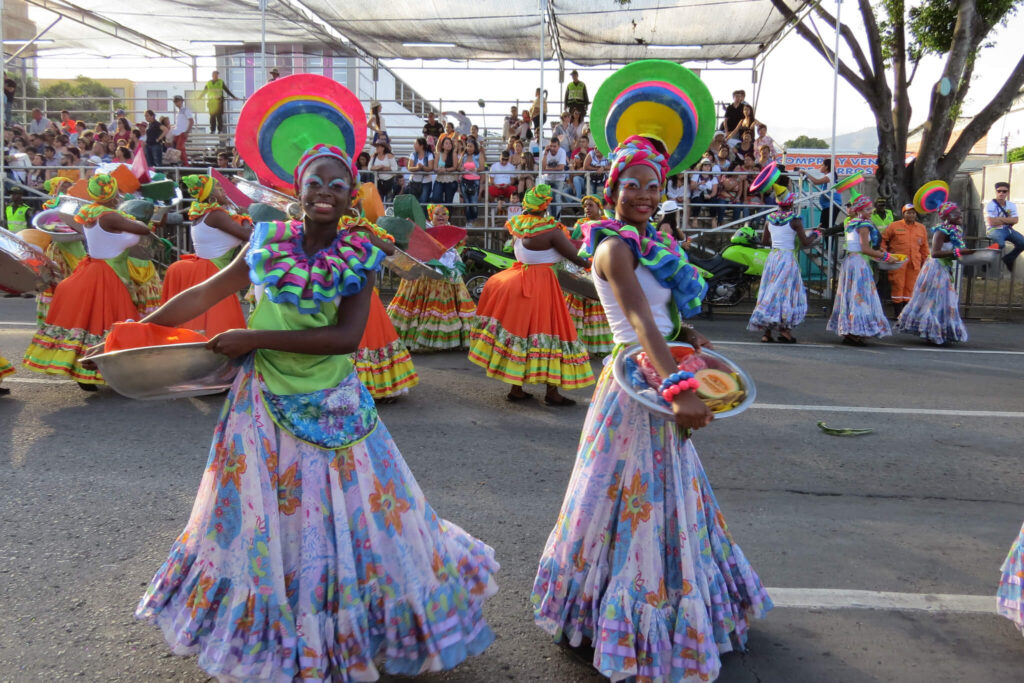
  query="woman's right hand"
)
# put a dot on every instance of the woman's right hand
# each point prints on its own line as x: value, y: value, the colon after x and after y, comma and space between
x: 691, y: 412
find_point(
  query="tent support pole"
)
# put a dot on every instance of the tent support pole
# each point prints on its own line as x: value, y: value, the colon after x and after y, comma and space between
x: 263, y: 44
x: 30, y: 43
x: 540, y: 112
x: 835, y: 173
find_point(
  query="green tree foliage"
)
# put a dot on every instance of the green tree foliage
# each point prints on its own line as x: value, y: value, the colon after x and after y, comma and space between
x: 96, y: 106
x: 806, y: 142
x: 1015, y: 154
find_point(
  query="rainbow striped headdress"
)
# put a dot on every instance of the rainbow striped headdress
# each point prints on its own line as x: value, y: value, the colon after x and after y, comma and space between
x: 634, y: 151
x: 319, y: 151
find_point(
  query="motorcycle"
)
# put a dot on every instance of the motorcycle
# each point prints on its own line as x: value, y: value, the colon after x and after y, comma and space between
x: 731, y: 273
x: 481, y: 264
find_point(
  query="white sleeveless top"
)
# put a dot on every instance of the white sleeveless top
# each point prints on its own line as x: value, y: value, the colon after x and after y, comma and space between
x: 210, y: 242
x: 656, y: 295
x: 783, y: 236
x: 853, y: 241
x: 103, y: 245
x: 535, y: 257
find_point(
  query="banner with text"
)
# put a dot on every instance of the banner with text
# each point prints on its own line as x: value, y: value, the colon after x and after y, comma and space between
x: 846, y: 164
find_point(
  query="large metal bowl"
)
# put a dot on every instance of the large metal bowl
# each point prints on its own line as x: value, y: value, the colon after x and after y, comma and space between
x: 59, y: 226
x: 409, y: 267
x: 715, y: 360
x: 982, y: 257
x: 263, y: 194
x: 890, y: 265
x: 24, y: 269
x: 172, y: 371
x: 576, y: 280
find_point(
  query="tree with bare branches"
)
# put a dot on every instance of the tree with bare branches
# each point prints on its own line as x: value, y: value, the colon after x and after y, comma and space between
x: 884, y: 66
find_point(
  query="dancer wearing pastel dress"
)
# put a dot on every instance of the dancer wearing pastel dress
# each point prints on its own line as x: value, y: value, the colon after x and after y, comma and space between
x: 856, y: 310
x: 523, y: 333
x: 431, y: 314
x: 782, y: 299
x: 587, y: 314
x: 1010, y: 598
x: 382, y: 362
x: 311, y: 553
x: 934, y: 309
x: 217, y: 234
x: 95, y: 296
x: 640, y: 563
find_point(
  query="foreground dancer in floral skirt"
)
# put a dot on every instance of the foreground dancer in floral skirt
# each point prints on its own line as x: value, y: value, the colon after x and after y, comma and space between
x: 640, y: 562
x: 1010, y: 598
x: 311, y: 554
x: 934, y: 309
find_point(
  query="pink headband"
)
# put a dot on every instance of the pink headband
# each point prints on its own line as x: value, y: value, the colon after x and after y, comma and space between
x: 947, y: 208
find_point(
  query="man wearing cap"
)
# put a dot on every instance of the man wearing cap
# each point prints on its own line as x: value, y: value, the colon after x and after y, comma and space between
x: 909, y: 237
x: 576, y: 97
x: 183, y: 122
x: 1000, y: 217
x: 214, y: 91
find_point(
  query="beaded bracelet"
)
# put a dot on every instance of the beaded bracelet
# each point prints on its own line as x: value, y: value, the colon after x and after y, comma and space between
x: 886, y: 256
x: 956, y: 251
x: 677, y: 383
x: 817, y: 232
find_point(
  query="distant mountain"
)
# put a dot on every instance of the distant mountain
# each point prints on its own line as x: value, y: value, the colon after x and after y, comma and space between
x: 864, y: 140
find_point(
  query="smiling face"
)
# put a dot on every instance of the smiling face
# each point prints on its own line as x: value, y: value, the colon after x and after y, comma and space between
x: 326, y: 190
x: 637, y: 195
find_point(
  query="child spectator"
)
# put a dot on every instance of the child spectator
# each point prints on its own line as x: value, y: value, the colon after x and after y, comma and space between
x: 763, y: 140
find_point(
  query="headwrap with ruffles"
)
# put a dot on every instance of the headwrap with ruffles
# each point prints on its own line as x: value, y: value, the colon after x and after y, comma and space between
x: 594, y: 198
x: 199, y: 186
x: 634, y: 151
x: 432, y: 209
x: 319, y: 151
x: 861, y: 203
x: 947, y: 208
x: 537, y: 198
x: 102, y: 188
x: 52, y: 186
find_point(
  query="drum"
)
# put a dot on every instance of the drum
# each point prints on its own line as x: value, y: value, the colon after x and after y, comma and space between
x: 24, y: 269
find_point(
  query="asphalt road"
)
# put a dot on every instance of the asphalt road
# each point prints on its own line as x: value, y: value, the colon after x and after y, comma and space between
x: 94, y: 488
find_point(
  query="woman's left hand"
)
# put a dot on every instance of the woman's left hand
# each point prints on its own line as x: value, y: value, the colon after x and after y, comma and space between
x: 233, y: 343
x: 696, y: 339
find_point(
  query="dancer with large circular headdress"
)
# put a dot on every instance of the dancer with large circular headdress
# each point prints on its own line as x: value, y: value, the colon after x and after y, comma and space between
x: 311, y: 553
x: 640, y: 563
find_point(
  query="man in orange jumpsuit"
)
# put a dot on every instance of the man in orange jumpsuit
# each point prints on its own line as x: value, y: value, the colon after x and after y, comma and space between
x: 908, y: 237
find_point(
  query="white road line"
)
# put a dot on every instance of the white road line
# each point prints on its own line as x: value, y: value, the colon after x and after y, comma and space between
x: 829, y: 598
x: 979, y: 351
x: 35, y: 380
x: 717, y: 342
x: 12, y: 322
x: 890, y: 411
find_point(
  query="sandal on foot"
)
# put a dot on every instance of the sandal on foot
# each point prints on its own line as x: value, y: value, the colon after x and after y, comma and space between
x: 787, y: 340
x: 766, y: 338
x: 516, y: 398
x: 87, y: 387
x: 560, y: 402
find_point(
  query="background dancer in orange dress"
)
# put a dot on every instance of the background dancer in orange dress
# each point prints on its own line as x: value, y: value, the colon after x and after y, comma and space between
x: 217, y: 235
x: 523, y: 332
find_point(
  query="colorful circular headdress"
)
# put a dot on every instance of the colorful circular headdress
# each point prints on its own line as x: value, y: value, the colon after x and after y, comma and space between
x: 931, y: 196
x: 656, y: 99
x: 849, y: 181
x: 768, y: 175
x: 286, y: 117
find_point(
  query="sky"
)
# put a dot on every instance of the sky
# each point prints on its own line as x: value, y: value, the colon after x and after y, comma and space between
x: 795, y: 96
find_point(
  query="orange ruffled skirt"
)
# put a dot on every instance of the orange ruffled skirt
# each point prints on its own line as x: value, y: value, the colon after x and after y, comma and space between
x: 5, y: 368
x: 383, y: 363
x: 189, y: 271
x: 84, y: 308
x: 523, y: 333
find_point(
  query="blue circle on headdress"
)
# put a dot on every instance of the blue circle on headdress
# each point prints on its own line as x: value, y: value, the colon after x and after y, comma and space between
x: 269, y: 127
x: 660, y: 96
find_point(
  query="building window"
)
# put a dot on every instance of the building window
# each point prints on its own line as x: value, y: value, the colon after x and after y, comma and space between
x: 157, y: 101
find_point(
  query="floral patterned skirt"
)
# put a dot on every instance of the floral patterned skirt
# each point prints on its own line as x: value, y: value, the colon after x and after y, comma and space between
x: 301, y: 563
x: 933, y: 312
x: 781, y: 300
x: 640, y: 561
x: 857, y: 309
x: 1010, y: 599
